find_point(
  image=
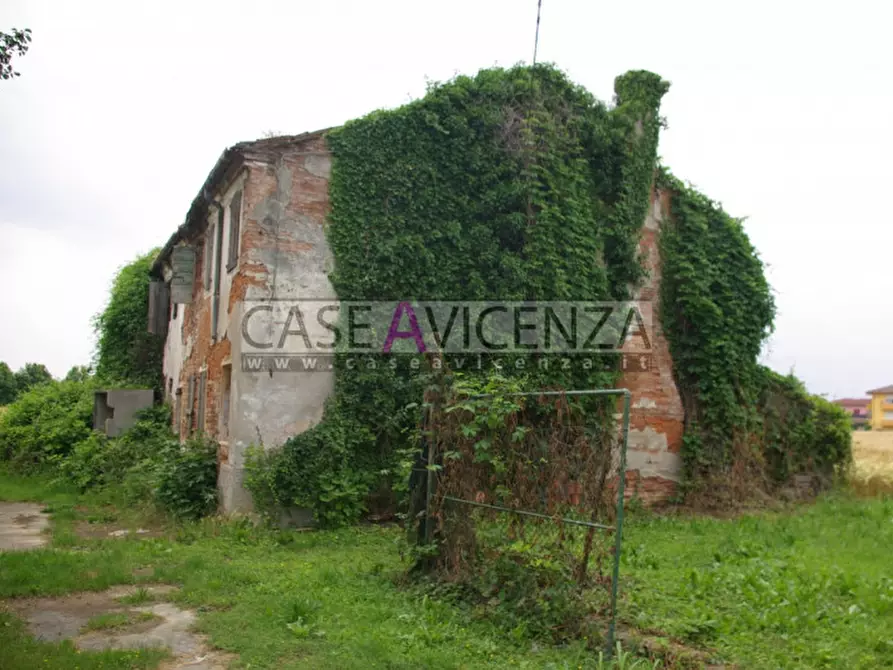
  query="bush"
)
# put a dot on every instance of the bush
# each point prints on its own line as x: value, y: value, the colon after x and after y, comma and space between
x: 187, y: 479
x: 129, y: 462
x: 41, y: 428
x: 48, y: 428
x: 802, y: 433
x: 312, y: 470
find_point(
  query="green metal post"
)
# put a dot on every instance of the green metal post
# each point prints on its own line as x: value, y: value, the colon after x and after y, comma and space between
x: 618, y: 533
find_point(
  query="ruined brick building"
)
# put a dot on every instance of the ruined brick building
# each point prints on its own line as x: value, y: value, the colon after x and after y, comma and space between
x: 257, y: 231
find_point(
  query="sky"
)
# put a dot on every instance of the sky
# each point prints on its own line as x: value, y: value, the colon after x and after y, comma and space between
x: 780, y: 111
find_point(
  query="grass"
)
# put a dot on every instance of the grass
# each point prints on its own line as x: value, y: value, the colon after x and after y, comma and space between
x: 113, y: 620
x: 140, y: 596
x: 810, y: 588
x: 20, y: 651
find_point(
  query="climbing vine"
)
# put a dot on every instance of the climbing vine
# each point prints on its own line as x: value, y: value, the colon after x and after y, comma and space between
x: 514, y: 184
x: 717, y: 310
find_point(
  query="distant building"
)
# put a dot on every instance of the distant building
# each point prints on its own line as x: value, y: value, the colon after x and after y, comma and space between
x: 857, y: 408
x: 882, y: 408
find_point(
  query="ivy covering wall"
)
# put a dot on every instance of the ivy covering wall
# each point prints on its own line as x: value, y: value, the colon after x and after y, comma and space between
x: 514, y: 184
x: 745, y: 424
x: 517, y: 184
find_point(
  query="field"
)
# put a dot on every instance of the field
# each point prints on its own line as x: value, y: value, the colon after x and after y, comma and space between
x: 806, y: 588
x: 873, y: 456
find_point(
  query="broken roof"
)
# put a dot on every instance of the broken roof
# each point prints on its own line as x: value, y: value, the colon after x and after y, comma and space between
x: 229, y: 161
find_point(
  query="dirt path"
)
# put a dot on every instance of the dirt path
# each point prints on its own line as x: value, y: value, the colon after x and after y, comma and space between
x: 21, y: 526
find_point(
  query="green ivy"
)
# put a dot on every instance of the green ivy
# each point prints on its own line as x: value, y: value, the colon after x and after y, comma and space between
x: 127, y: 354
x: 717, y: 310
x: 514, y: 184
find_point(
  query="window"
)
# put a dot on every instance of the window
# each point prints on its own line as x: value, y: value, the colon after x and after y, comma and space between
x: 888, y: 416
x: 235, y: 225
x: 888, y: 400
x: 208, y: 257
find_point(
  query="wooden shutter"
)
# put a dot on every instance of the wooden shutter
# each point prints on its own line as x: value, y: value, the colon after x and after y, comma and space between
x: 159, y: 307
x: 190, y: 400
x: 202, y: 392
x: 235, y: 227
x: 183, y: 274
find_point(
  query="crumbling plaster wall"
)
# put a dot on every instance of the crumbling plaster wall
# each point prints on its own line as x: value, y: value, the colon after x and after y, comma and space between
x: 285, y: 256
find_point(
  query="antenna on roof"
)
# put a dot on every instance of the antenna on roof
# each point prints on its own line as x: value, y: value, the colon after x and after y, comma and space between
x: 536, y: 40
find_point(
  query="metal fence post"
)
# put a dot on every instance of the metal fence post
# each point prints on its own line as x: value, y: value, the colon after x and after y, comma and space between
x: 618, y: 532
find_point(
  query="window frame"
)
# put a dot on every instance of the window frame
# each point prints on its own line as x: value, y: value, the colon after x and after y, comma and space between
x: 208, y: 258
x: 234, y: 230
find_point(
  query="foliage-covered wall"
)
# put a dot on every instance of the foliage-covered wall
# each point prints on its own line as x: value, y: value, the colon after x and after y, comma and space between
x: 744, y: 423
x: 514, y: 184
x: 517, y: 184
x: 127, y: 354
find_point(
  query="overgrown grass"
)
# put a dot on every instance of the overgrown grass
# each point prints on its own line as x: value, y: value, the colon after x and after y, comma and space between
x: 808, y: 589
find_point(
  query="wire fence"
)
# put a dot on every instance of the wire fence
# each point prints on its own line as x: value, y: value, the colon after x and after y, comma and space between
x: 523, y: 499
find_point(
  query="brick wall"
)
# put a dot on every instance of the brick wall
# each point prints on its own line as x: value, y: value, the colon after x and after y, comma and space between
x: 657, y: 416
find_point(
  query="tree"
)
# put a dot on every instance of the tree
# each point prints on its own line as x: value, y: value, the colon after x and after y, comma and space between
x: 8, y: 390
x: 30, y: 375
x: 127, y: 354
x: 11, y: 44
x: 79, y: 373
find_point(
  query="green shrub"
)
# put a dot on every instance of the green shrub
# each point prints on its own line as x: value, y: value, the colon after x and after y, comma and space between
x: 187, y: 479
x: 802, y: 433
x: 43, y: 425
x: 312, y: 470
x: 129, y: 462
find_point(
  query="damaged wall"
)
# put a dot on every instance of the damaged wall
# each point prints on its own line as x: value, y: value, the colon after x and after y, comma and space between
x: 284, y: 255
x: 654, y: 463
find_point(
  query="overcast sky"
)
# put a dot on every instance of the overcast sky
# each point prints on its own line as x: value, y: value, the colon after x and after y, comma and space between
x: 781, y: 111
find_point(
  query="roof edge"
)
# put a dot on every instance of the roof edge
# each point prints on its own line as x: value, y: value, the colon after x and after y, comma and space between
x: 204, y: 196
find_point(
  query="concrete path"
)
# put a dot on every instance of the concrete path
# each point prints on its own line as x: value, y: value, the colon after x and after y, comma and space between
x: 65, y: 618
x: 21, y: 526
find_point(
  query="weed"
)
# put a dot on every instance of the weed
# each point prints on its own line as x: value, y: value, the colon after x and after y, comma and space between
x: 140, y: 596
x: 113, y: 620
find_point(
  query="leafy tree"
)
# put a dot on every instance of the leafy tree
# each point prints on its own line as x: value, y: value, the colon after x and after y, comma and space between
x: 7, y: 384
x: 79, y: 373
x: 11, y: 44
x: 127, y: 353
x: 44, y: 423
x: 31, y: 375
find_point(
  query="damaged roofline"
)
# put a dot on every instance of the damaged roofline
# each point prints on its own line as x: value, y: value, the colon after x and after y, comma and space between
x: 230, y: 159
